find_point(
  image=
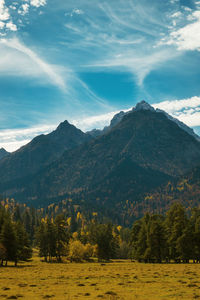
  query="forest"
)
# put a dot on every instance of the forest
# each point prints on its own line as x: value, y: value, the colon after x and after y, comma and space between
x: 70, y: 236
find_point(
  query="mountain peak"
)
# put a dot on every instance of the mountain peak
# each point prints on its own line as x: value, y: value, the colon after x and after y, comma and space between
x: 143, y: 105
x: 63, y: 125
x: 3, y: 153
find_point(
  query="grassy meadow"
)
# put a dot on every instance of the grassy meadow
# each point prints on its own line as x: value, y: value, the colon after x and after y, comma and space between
x: 115, y: 280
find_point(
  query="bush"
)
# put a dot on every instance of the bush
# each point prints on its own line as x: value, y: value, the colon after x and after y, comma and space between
x: 79, y: 252
x: 76, y: 251
x: 88, y: 251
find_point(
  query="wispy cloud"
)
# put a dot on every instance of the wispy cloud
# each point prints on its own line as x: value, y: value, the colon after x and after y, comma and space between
x: 40, y: 67
x: 126, y: 41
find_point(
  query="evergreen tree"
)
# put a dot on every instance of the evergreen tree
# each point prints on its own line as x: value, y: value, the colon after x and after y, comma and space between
x: 24, y: 250
x: 134, y: 238
x: 2, y: 253
x: 9, y: 241
x: 175, y: 224
x: 101, y: 235
x: 42, y: 240
x: 185, y: 244
x: 51, y: 239
x: 141, y: 244
x: 27, y: 221
x: 62, y: 236
x: 156, y: 241
x: 17, y: 214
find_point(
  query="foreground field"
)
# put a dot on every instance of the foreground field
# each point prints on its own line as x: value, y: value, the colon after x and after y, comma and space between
x: 116, y: 280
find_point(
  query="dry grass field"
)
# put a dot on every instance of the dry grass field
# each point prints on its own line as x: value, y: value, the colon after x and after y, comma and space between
x: 115, y: 280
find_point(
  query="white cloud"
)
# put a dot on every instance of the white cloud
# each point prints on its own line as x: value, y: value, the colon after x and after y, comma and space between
x: 11, y: 26
x: 24, y: 9
x: 13, y: 7
x: 178, y: 105
x: 186, y: 37
x: 2, y: 24
x: 186, y: 110
x: 5, y: 18
x: 38, y: 3
x: 4, y: 12
x: 176, y: 14
x: 33, y: 64
x: 13, y: 15
x: 76, y: 11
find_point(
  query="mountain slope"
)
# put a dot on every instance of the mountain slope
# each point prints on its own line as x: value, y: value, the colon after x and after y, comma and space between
x: 3, y: 153
x: 40, y: 152
x: 144, y: 150
x: 185, y: 190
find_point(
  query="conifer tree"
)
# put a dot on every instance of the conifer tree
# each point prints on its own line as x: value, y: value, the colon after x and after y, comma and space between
x: 24, y: 251
x: 175, y: 223
x: 42, y: 240
x: 101, y: 235
x: 62, y: 236
x: 156, y: 241
x: 9, y: 241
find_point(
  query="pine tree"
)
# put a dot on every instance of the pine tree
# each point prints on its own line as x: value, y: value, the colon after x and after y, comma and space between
x: 134, y: 239
x: 175, y: 224
x: 141, y: 244
x: 17, y: 214
x: 101, y: 235
x: 42, y: 240
x: 9, y: 241
x: 24, y: 251
x: 156, y: 241
x: 51, y: 239
x: 62, y: 236
x: 185, y: 244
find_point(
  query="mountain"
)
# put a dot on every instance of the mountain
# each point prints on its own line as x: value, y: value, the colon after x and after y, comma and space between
x: 143, y: 105
x: 40, y: 152
x: 3, y: 153
x: 185, y: 189
x: 139, y: 154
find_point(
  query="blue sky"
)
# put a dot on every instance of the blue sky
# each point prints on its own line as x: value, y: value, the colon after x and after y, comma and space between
x: 85, y: 60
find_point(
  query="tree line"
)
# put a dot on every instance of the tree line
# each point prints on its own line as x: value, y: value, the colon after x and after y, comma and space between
x: 173, y: 237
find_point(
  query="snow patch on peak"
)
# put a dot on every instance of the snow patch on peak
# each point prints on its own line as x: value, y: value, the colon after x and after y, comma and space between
x: 143, y: 105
